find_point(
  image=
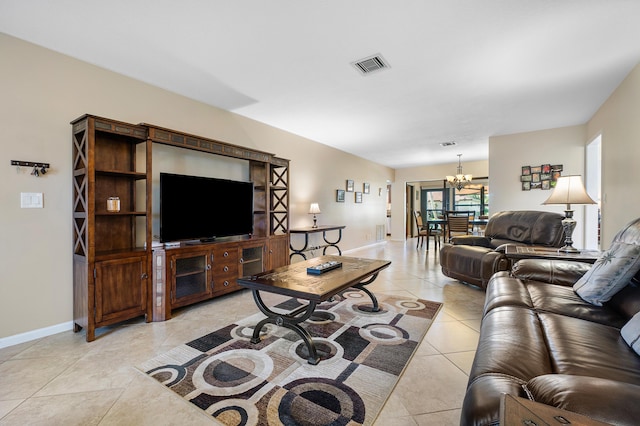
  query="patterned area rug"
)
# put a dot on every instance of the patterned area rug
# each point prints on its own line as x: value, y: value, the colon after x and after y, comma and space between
x: 362, y: 355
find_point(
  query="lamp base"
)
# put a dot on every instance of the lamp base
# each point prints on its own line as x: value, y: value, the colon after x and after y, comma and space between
x: 568, y: 225
x: 315, y: 222
x: 568, y: 249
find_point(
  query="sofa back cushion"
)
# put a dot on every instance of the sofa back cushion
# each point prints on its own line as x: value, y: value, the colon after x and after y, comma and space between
x: 627, y: 300
x: 527, y: 227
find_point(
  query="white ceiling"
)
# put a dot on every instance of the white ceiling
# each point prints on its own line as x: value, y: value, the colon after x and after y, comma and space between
x: 461, y: 70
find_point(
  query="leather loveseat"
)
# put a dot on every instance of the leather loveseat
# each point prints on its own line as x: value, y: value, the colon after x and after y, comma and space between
x: 474, y: 259
x: 540, y: 340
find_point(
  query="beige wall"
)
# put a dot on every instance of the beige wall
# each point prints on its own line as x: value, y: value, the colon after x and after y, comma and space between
x: 42, y: 91
x: 618, y: 121
x: 509, y: 153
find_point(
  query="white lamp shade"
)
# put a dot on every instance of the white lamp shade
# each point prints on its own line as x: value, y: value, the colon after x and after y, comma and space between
x: 314, y: 208
x: 569, y: 190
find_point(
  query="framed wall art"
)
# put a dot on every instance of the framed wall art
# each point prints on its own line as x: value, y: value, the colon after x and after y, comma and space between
x: 358, y: 197
x: 340, y: 195
x: 543, y: 176
x: 349, y: 185
x: 366, y: 188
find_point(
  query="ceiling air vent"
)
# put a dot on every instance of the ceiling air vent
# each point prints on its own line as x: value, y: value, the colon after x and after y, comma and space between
x: 371, y: 64
x: 450, y: 143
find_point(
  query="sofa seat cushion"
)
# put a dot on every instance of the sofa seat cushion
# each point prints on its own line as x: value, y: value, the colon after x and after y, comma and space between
x: 505, y: 290
x: 564, y: 301
x: 505, y: 347
x: 585, y: 348
x: 601, y: 399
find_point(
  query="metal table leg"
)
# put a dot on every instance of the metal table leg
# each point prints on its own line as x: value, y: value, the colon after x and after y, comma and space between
x: 361, y: 286
x: 290, y: 320
x: 332, y: 243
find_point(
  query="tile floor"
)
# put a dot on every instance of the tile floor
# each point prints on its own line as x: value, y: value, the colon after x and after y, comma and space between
x: 63, y: 380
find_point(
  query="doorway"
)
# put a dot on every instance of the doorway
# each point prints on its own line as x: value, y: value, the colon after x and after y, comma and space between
x: 409, y: 211
x: 592, y: 182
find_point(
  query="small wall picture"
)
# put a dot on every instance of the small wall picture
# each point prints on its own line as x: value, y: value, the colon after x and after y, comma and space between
x: 526, y: 170
x: 349, y: 185
x: 526, y: 186
x: 525, y: 178
x: 365, y: 188
x: 546, y: 168
x: 536, y: 169
x: 358, y: 197
x: 546, y: 184
x: 340, y: 195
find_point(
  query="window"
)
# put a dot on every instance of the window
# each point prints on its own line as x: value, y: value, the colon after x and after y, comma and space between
x: 473, y: 197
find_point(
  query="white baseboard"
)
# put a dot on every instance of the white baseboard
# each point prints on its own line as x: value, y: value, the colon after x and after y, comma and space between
x: 35, y: 334
x: 377, y: 243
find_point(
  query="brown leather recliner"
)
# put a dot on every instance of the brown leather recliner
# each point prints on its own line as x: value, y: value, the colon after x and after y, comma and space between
x: 474, y: 259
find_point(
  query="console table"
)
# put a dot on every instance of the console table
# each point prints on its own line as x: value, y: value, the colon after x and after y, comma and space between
x: 310, y: 230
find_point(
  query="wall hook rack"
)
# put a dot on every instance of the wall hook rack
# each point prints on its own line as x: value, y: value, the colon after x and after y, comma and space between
x: 38, y: 168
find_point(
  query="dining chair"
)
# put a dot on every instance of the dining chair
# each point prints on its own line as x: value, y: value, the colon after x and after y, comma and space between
x: 426, y: 230
x: 433, y: 230
x: 457, y: 223
x: 422, y: 231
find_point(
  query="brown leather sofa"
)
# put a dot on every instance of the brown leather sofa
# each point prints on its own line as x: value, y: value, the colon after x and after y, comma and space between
x: 474, y: 259
x: 540, y: 340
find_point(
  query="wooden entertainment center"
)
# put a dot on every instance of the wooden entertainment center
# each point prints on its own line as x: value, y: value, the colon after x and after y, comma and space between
x: 118, y: 274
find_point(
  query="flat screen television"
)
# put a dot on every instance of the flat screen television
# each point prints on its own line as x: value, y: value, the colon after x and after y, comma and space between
x: 202, y: 208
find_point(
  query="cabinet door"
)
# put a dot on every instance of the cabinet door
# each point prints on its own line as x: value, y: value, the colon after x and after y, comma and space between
x: 190, y: 277
x: 121, y: 289
x: 278, y: 251
x: 252, y: 259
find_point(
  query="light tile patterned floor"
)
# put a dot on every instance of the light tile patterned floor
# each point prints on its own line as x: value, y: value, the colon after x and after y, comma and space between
x: 63, y: 380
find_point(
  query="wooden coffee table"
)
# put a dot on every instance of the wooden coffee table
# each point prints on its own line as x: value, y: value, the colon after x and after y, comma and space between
x: 293, y: 280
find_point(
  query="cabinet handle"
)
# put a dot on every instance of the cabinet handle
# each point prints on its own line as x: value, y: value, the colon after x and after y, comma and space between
x: 144, y: 276
x: 241, y: 260
x: 226, y: 254
x: 225, y: 269
x: 226, y: 283
x: 208, y: 267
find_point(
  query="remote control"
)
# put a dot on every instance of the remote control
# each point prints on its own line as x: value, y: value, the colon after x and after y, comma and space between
x: 324, y: 267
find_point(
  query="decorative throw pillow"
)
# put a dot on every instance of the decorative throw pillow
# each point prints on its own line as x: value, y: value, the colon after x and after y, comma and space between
x: 609, y: 274
x: 631, y: 333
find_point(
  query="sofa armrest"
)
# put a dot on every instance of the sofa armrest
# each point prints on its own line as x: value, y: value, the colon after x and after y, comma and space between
x: 601, y: 399
x: 561, y: 272
x: 472, y: 240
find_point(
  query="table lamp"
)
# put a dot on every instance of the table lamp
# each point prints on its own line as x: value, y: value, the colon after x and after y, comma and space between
x: 314, y: 209
x: 569, y: 190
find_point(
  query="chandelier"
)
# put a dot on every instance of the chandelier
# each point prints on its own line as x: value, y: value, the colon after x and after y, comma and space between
x: 459, y: 180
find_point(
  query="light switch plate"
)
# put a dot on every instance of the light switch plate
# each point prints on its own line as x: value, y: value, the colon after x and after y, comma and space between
x: 31, y: 200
